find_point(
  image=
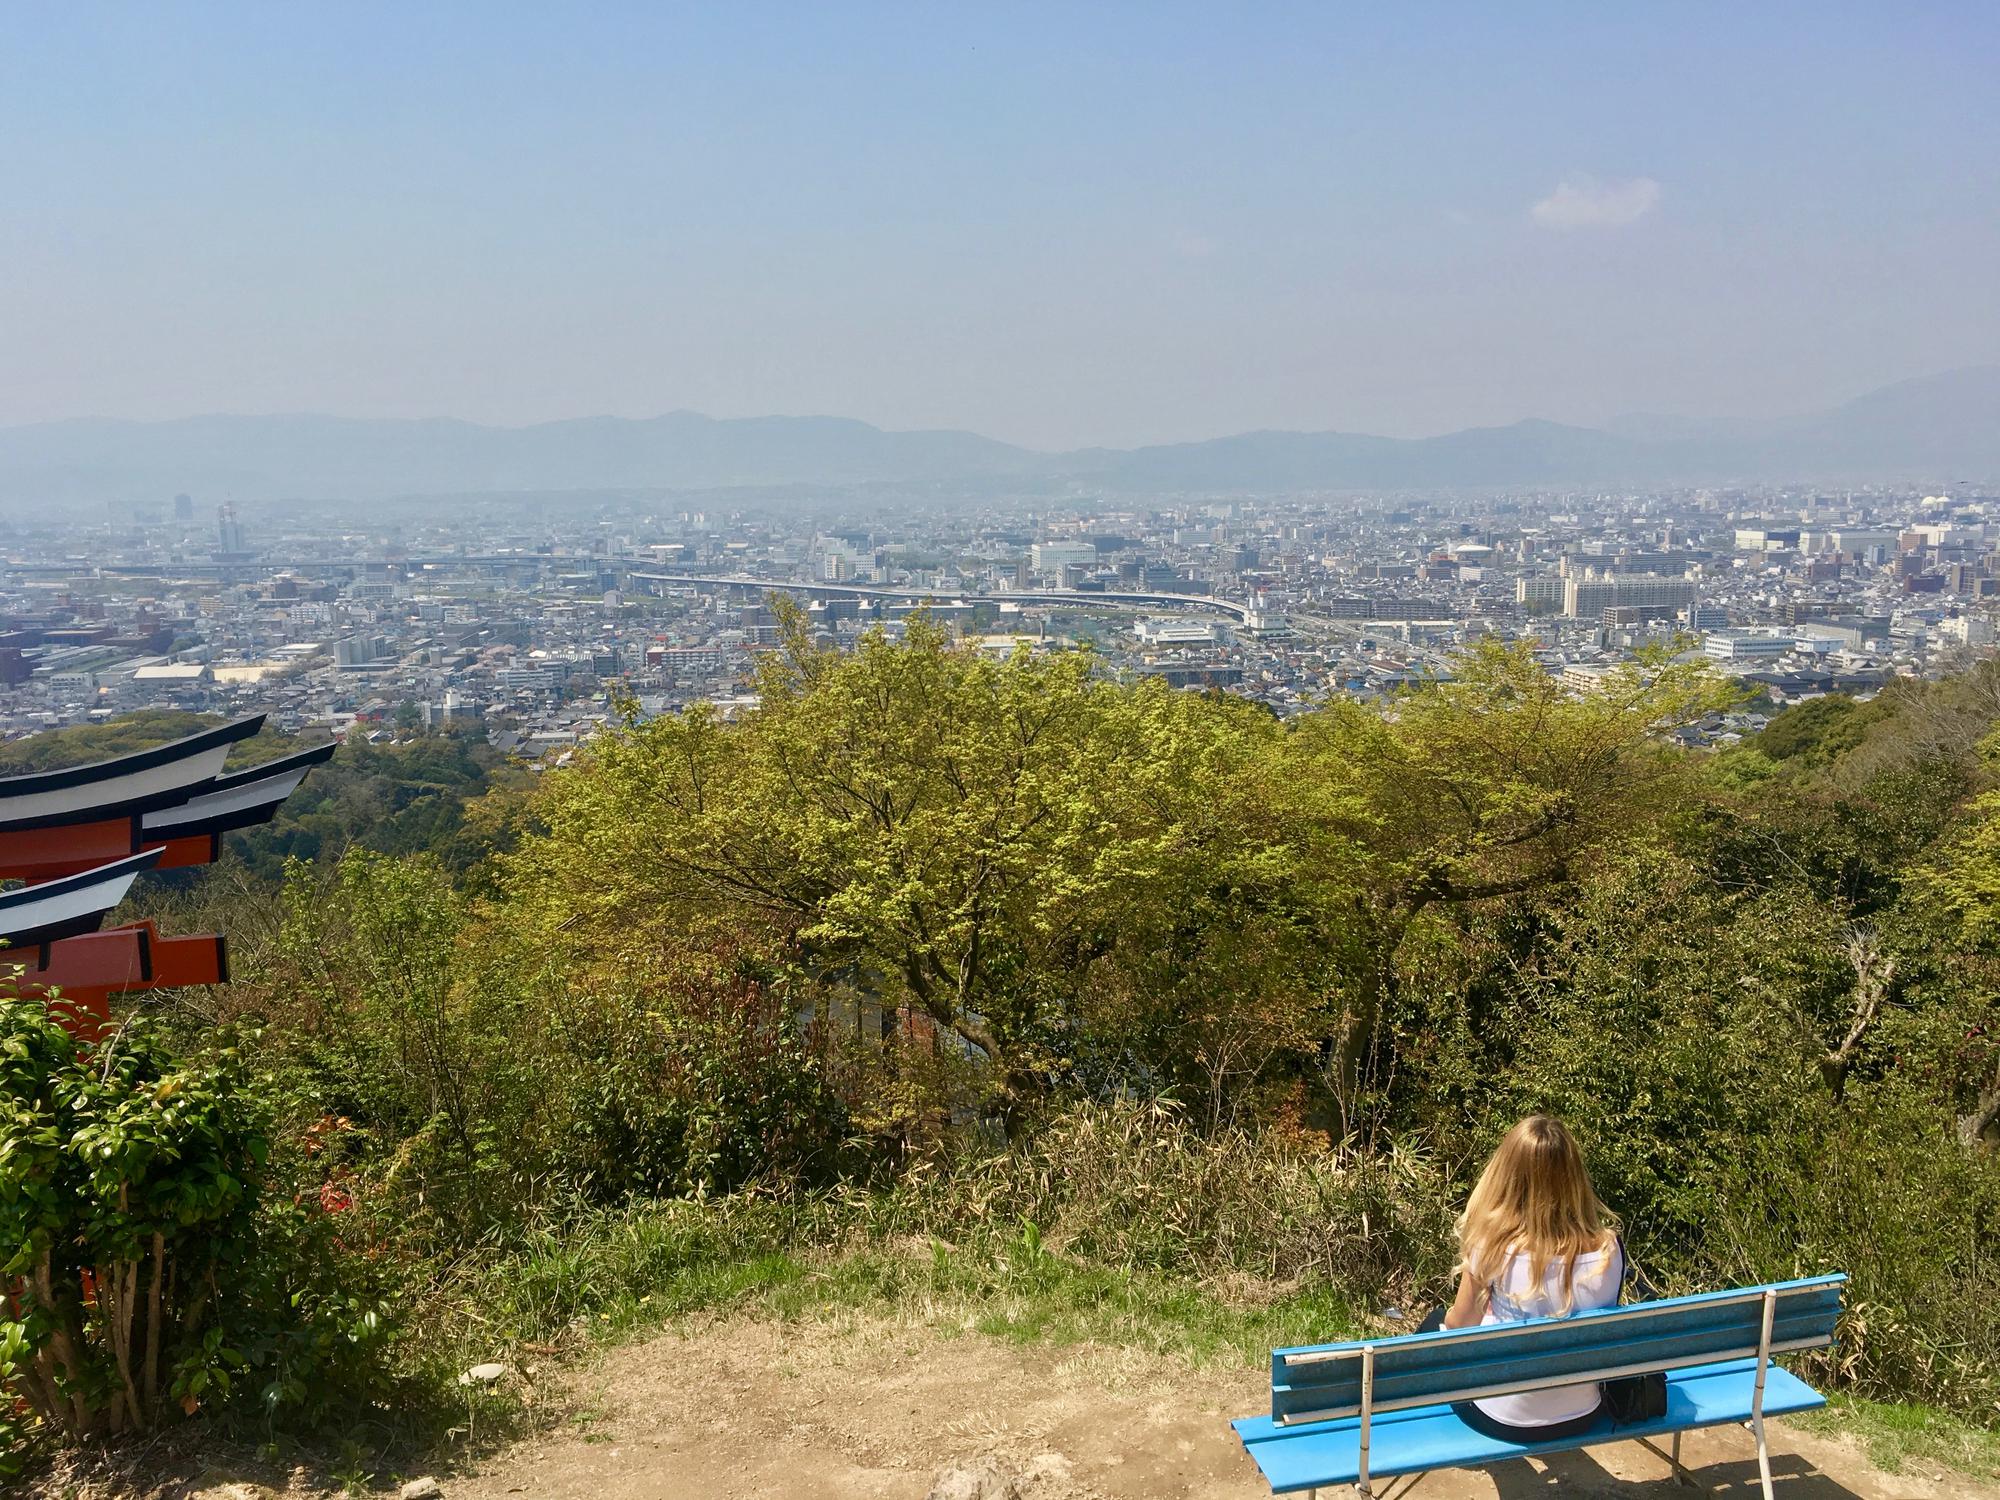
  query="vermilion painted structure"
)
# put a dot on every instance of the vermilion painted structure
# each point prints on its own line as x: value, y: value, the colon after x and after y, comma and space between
x: 185, y: 833
x: 75, y: 904
x: 164, y: 776
x: 84, y: 834
x: 89, y: 969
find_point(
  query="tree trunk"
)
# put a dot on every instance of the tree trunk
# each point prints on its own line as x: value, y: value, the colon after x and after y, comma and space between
x: 150, y: 1360
x: 118, y: 1308
x: 64, y: 1354
x: 1873, y: 975
x: 1972, y: 1127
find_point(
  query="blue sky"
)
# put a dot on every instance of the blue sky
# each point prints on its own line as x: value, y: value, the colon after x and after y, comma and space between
x: 1059, y: 225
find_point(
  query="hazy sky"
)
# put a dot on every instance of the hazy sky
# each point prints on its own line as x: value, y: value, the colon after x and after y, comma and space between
x: 1082, y: 223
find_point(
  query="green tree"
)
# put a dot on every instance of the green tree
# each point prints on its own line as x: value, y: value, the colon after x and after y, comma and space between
x: 1491, y: 783
x: 927, y: 817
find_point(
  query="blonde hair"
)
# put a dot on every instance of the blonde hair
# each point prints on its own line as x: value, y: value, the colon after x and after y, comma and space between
x: 1533, y: 1199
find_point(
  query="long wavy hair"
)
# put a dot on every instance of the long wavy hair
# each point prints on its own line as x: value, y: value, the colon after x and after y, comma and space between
x: 1533, y: 1199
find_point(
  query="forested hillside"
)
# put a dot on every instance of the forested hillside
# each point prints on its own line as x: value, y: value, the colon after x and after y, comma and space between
x: 1011, y: 960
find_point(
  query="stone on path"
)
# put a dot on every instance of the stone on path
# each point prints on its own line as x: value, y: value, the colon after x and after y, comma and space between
x: 983, y: 1478
x: 421, y: 1489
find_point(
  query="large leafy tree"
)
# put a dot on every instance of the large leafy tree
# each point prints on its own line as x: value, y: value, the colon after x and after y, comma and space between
x: 1494, y: 782
x: 1067, y: 874
x: 966, y: 837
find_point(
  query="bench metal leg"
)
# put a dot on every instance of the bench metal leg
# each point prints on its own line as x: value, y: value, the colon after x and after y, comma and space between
x: 1757, y: 1397
x: 1763, y: 1457
x: 1361, y: 1489
x: 1673, y: 1461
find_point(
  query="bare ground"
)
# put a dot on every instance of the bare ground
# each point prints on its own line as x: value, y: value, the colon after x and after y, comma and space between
x: 869, y: 1408
x: 741, y: 1408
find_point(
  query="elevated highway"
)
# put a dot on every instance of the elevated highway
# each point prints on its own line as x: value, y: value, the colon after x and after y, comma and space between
x: 1191, y: 603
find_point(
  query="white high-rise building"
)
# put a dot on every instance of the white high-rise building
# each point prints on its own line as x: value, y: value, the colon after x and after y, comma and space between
x: 228, y: 530
x: 1588, y: 598
x: 1049, y: 557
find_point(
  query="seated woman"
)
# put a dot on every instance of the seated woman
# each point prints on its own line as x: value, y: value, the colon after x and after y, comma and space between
x: 1534, y: 1242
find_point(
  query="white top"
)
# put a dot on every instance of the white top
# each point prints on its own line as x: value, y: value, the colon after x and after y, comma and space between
x: 1514, y: 1296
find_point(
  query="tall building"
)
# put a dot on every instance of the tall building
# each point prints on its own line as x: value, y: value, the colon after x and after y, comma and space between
x: 228, y: 530
x: 1539, y: 594
x: 183, y: 507
x: 1765, y: 537
x: 1745, y: 645
x: 360, y: 650
x: 1868, y: 546
x: 1589, y: 598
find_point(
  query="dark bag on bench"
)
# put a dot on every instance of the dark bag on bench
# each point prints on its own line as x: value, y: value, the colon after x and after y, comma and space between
x: 1635, y: 1398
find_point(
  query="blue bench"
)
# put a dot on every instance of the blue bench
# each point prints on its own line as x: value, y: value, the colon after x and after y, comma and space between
x: 1379, y: 1408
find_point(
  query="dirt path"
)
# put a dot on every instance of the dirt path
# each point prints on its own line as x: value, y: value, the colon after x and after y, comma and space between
x: 854, y: 1411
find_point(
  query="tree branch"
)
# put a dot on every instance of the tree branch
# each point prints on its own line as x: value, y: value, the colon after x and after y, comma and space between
x: 1872, y: 976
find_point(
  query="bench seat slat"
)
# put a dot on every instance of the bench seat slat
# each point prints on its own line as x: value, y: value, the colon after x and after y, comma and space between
x: 1418, y: 1439
x: 1426, y: 1368
x: 1502, y: 1370
x: 1821, y: 1290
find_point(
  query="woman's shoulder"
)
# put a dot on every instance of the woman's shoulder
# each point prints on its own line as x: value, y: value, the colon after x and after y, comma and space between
x: 1606, y: 1252
x: 1598, y: 1263
x: 1608, y: 1244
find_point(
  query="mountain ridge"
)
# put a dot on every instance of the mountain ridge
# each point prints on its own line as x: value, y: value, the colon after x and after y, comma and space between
x: 1941, y: 428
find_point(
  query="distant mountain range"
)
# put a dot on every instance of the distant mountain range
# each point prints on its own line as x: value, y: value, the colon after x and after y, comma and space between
x: 1938, y: 430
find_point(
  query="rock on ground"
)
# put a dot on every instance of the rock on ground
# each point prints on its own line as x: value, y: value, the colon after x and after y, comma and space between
x: 983, y: 1478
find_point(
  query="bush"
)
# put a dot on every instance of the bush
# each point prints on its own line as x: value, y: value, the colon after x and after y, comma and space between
x: 701, y: 1081
x: 161, y: 1267
x: 481, y: 1084
x: 1138, y: 1186
x: 1882, y: 1191
x: 128, y: 1187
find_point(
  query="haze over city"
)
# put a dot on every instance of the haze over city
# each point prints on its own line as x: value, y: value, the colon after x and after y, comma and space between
x: 1056, y: 226
x: 932, y: 751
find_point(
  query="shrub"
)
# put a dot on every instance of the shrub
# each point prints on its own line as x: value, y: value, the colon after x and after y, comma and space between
x: 128, y: 1185
x: 161, y: 1264
x: 1137, y: 1185
x: 701, y: 1080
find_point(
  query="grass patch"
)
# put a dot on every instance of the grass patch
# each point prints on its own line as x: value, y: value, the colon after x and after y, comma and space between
x: 1042, y: 1298
x: 611, y: 1273
x: 607, y: 1275
x: 1899, y: 1437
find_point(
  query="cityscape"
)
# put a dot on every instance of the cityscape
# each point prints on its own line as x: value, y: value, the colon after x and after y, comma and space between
x: 529, y: 618
x: 878, y: 751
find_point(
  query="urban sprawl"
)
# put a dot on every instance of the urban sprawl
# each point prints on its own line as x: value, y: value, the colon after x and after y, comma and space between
x: 529, y: 618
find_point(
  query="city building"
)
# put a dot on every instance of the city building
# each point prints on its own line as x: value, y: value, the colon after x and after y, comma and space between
x: 1048, y: 557
x: 1587, y: 598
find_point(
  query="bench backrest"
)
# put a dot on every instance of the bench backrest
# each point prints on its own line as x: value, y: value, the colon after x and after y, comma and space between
x: 1324, y: 1382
